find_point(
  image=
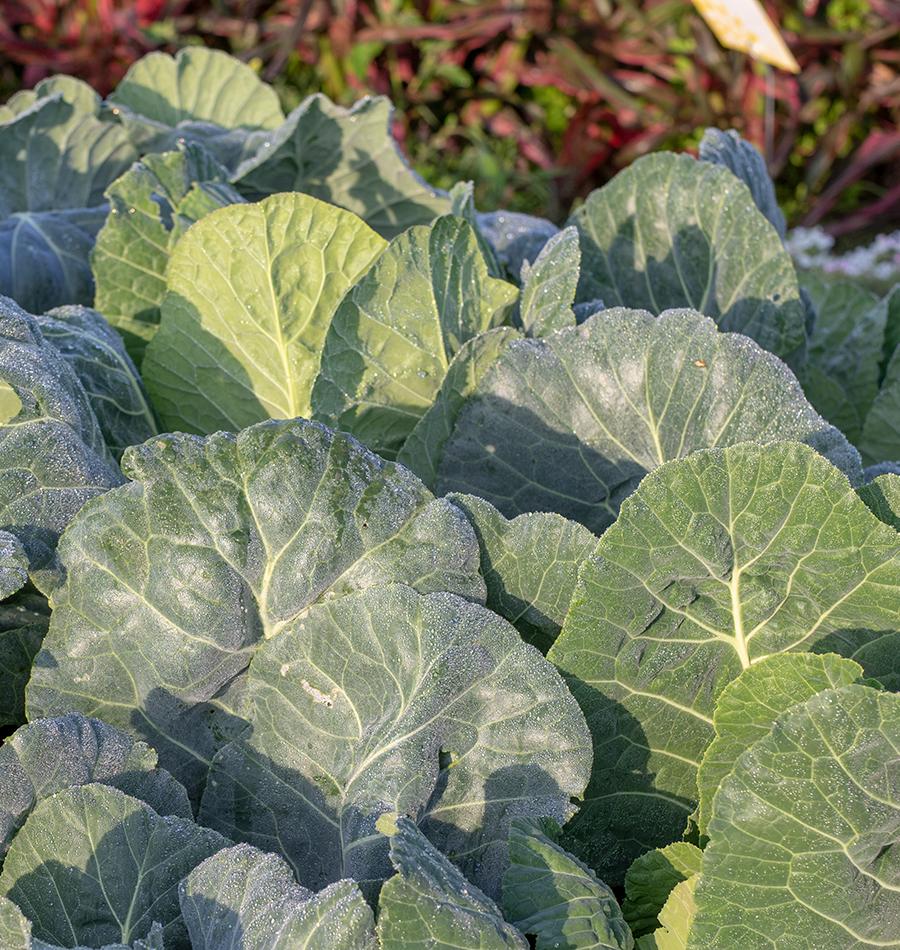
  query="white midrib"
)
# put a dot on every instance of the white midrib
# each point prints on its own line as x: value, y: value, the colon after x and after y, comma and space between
x: 740, y: 639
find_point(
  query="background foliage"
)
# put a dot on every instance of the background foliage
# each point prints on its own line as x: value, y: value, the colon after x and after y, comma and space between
x: 537, y: 101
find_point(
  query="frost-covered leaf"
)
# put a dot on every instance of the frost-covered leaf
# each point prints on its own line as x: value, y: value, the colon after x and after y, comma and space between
x: 549, y: 285
x: 550, y: 894
x: 745, y: 161
x: 803, y: 834
x: 424, y: 446
x: 47, y: 755
x: 216, y: 544
x: 748, y: 706
x: 387, y: 700
x: 395, y: 333
x: 676, y: 917
x: 151, y: 206
x: 244, y: 899
x: 572, y: 422
x: 516, y: 238
x: 13, y: 565
x: 650, y: 880
x: 92, y: 865
x: 880, y: 439
x: 112, y: 383
x: 347, y: 157
x: 882, y: 498
x: 840, y: 377
x: 23, y: 623
x: 429, y: 904
x: 252, y: 289
x: 530, y: 565
x: 52, y: 454
x: 669, y: 231
x: 717, y: 561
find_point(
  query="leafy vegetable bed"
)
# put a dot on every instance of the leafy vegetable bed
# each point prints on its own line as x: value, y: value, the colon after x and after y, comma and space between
x: 376, y: 572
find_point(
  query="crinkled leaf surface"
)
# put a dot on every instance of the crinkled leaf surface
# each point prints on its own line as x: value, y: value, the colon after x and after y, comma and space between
x: 92, y: 865
x: 669, y: 231
x: 516, y: 238
x: 252, y: 290
x: 23, y: 622
x: 429, y: 904
x: 745, y: 161
x: 549, y: 285
x: 13, y: 565
x: 387, y: 700
x: 880, y: 439
x: 572, y: 423
x: 112, y: 383
x: 347, y: 157
x: 882, y: 497
x: 803, y: 834
x: 424, y: 446
x: 244, y: 899
x: 151, y: 206
x: 717, y: 561
x: 52, y: 454
x: 394, y: 335
x: 676, y: 917
x: 549, y: 893
x: 530, y: 565
x: 47, y: 755
x: 650, y: 880
x: 215, y: 544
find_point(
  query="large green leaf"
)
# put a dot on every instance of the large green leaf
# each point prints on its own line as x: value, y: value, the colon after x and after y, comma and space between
x: 549, y: 285
x: 388, y: 700
x: 572, y: 423
x: 429, y: 905
x: 52, y: 454
x: 174, y: 579
x: 749, y: 706
x: 549, y: 893
x: 243, y: 899
x: 47, y: 755
x: 13, y: 565
x: 880, y: 439
x: 803, y: 834
x: 882, y: 497
x: 252, y: 290
x: 112, y: 383
x: 393, y: 337
x: 530, y: 565
x: 151, y: 206
x: 347, y: 157
x: 675, y: 919
x: 651, y: 879
x: 669, y: 231
x: 716, y: 562
x: 93, y: 865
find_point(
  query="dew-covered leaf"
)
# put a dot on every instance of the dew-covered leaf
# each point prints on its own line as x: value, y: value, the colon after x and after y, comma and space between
x: 13, y: 565
x: 550, y: 894
x: 650, y: 880
x: 15, y: 928
x: 803, y: 834
x: 880, y: 439
x: 882, y: 498
x: 429, y: 904
x: 669, y: 232
x: 217, y: 543
x: 252, y: 290
x: 244, y: 899
x: 549, y: 285
x: 391, y: 701
x: 572, y: 422
x: 462, y: 204
x: 395, y: 333
x: 717, y: 561
x: 516, y: 238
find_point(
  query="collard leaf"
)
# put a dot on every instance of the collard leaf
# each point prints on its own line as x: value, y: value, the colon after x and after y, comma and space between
x: 429, y: 904
x: 880, y: 439
x: 744, y: 161
x: 112, y: 383
x: 530, y: 565
x: 48, y: 755
x: 462, y: 204
x: 669, y: 232
x: 13, y: 565
x: 717, y: 561
x: 516, y: 238
x: 550, y: 894
x: 252, y: 290
x: 424, y: 446
x: 676, y: 918
x: 244, y: 899
x: 347, y: 157
x: 882, y: 498
x: 92, y: 865
x: 23, y: 623
x: 572, y: 423
x: 549, y: 285
x: 749, y: 706
x: 151, y: 206
x: 52, y: 454
x: 394, y: 335
x: 650, y: 881
x: 388, y: 700
x: 216, y: 544
x: 15, y: 928
x: 804, y: 830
